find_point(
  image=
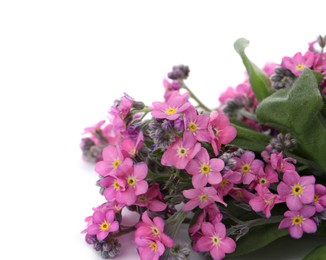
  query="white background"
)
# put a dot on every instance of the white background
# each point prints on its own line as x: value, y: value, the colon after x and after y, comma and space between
x: 62, y: 63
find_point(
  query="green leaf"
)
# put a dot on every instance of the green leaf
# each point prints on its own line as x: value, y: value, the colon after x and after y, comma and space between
x: 297, y: 110
x: 319, y: 253
x: 249, y: 139
x: 257, y: 238
x: 259, y: 81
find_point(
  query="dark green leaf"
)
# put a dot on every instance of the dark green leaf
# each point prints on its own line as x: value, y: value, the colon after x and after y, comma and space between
x: 257, y: 238
x: 259, y: 81
x: 297, y: 110
x: 319, y: 253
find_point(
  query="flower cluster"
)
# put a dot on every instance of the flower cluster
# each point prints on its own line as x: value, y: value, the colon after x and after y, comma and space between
x: 256, y: 160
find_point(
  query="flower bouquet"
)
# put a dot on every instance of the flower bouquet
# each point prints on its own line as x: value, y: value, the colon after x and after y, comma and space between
x: 239, y: 176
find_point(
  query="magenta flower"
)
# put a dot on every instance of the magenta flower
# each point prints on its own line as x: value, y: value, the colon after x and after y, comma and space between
x: 204, y: 169
x: 172, y: 108
x: 242, y: 90
x: 299, y: 221
x: 152, y: 199
x: 215, y: 241
x: 196, y: 124
x: 149, y: 249
x: 113, y: 187
x: 181, y: 152
x: 153, y: 230
x: 297, y: 63
x: 248, y: 167
x: 134, y: 175
x: 320, y: 198
x: 228, y: 180
x: 112, y: 158
x: 103, y: 224
x: 131, y: 147
x: 282, y: 164
x: 296, y: 190
x: 202, y: 197
x: 265, y: 200
x: 220, y: 131
x: 265, y: 178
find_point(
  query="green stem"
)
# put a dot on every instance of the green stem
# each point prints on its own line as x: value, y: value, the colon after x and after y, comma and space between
x: 193, y: 96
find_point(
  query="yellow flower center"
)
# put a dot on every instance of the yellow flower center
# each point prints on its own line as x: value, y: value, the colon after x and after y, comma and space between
x: 224, y: 182
x: 297, y: 190
x: 116, y: 163
x: 131, y: 181
x: 171, y: 111
x: 203, y: 197
x: 192, y: 127
x: 104, y: 226
x: 116, y: 185
x: 316, y: 198
x: 262, y: 181
x: 155, y: 231
x: 215, y: 240
x: 245, y: 168
x: 299, y: 67
x: 153, y: 245
x: 297, y: 220
x: 182, y: 151
x: 205, y: 168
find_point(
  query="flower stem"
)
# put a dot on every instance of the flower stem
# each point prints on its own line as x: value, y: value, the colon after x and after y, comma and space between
x: 192, y: 95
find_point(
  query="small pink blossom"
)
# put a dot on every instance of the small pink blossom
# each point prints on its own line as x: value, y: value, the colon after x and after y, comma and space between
x: 204, y: 169
x: 282, y: 164
x: 152, y: 199
x: 181, y: 152
x: 112, y: 158
x: 196, y: 124
x: 113, y: 187
x: 320, y: 198
x: 133, y: 175
x: 149, y: 249
x: 265, y: 200
x: 228, y: 180
x: 299, y: 221
x: 266, y: 177
x: 248, y: 167
x: 201, y: 198
x: 103, y: 224
x: 215, y: 241
x: 153, y: 229
x: 172, y: 108
x: 170, y: 87
x: 296, y: 190
x: 297, y: 63
x: 242, y: 90
x: 220, y: 130
x: 130, y: 147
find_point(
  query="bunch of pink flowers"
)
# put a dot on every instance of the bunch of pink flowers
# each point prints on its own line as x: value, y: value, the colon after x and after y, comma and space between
x: 178, y: 162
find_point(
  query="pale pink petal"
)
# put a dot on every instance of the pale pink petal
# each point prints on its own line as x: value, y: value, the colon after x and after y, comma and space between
x: 191, y: 194
x: 93, y: 229
x: 166, y: 240
x: 140, y: 170
x: 285, y: 223
x: 156, y: 205
x: 141, y: 187
x: 257, y: 204
x: 228, y: 245
x: 109, y: 216
x: 199, y: 181
x: 308, y: 211
x: 214, y: 178
x: 102, y: 235
x: 308, y: 194
x: 293, y: 202
x: 193, y: 167
x: 98, y: 217
x: 217, y: 253
x: 309, y: 226
x: 220, y: 230
x: 217, y: 164
x: 248, y: 157
x: 283, y: 189
x: 103, y: 168
x: 159, y: 223
x: 296, y: 231
x: 228, y: 134
x: 204, y: 244
x: 291, y: 177
x: 306, y: 180
x: 191, y: 204
x: 114, y: 226
x: 207, y: 229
